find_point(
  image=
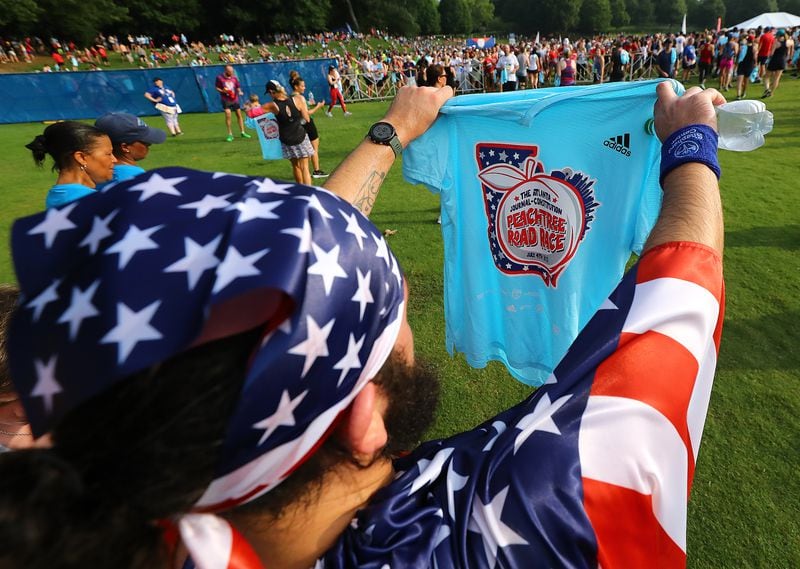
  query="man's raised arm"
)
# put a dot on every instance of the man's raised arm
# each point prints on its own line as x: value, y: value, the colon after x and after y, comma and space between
x: 691, y: 210
x: 358, y: 179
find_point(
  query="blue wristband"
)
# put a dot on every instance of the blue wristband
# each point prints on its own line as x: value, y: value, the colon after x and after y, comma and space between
x: 693, y: 143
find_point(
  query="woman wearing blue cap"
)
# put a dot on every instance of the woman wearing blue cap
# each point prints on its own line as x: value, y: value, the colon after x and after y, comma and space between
x: 131, y: 138
x: 82, y: 155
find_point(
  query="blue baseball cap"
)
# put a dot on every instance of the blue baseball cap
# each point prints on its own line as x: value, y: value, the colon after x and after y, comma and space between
x: 127, y: 128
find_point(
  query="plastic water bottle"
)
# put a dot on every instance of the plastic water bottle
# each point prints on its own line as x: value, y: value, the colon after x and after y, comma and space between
x: 743, y: 124
x: 311, y: 100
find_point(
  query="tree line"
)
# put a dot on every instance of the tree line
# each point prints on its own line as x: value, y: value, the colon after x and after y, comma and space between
x: 205, y: 19
x: 606, y: 15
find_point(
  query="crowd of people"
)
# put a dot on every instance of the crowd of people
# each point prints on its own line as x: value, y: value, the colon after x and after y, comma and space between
x: 732, y: 57
x: 145, y: 52
x: 729, y: 56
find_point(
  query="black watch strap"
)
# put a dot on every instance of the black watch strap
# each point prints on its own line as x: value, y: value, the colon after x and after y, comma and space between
x: 384, y: 133
x: 394, y: 142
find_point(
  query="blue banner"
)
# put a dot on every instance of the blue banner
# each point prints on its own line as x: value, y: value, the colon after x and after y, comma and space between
x: 28, y: 97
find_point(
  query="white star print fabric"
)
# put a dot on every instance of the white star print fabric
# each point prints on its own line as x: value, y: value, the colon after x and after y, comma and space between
x: 592, y: 470
x: 146, y: 269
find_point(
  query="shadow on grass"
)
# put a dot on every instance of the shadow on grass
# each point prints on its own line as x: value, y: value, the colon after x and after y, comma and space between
x: 784, y: 237
x: 761, y: 343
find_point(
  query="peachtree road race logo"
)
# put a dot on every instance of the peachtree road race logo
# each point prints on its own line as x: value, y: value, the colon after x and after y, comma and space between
x: 268, y: 125
x: 536, y: 220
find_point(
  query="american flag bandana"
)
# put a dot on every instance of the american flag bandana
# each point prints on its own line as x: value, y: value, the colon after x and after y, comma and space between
x: 131, y: 276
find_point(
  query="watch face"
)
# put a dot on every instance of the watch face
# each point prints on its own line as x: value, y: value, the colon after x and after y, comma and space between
x: 382, y: 131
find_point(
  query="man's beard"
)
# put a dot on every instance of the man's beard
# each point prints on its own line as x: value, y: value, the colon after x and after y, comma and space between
x: 413, y: 395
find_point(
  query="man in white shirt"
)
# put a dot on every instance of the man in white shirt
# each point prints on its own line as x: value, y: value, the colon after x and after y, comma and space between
x: 366, y: 73
x: 508, y: 63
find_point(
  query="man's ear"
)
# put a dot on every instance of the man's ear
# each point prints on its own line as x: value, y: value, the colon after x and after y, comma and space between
x: 362, y: 429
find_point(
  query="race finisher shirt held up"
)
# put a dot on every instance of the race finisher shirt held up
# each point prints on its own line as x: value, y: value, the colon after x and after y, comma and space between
x: 544, y: 195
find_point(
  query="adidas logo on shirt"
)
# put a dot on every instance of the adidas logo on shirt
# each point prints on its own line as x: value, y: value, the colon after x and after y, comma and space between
x: 621, y: 143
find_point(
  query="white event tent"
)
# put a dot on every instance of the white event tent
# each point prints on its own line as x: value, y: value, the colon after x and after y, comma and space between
x: 771, y: 19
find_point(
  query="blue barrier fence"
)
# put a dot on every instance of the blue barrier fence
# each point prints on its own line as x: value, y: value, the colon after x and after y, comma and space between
x: 28, y: 97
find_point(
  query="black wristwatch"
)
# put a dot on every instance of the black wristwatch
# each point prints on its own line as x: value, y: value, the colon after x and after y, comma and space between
x: 384, y: 133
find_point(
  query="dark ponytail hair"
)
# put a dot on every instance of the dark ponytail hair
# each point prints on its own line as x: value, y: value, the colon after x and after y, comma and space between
x: 61, y: 140
x: 121, y: 463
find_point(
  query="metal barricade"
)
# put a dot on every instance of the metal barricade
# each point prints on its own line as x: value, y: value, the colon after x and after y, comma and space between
x: 471, y: 78
x: 643, y: 67
x: 360, y: 87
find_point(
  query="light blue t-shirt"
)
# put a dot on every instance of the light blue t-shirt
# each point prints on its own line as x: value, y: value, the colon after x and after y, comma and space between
x: 544, y: 195
x: 267, y: 129
x: 62, y: 194
x: 122, y: 172
x: 742, y: 53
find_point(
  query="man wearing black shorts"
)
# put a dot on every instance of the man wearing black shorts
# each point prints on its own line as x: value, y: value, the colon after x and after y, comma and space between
x: 229, y: 90
x: 765, y: 41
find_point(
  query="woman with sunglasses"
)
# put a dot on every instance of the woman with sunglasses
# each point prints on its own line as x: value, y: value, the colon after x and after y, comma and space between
x: 437, y: 76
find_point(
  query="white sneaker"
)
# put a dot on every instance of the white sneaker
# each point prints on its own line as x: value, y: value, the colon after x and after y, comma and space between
x: 347, y: 113
x: 329, y: 115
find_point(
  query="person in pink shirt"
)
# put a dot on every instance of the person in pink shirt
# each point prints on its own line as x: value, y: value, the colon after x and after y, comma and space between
x: 229, y: 89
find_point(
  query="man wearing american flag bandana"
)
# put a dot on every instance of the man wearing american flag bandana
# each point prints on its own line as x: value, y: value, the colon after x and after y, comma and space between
x: 594, y: 469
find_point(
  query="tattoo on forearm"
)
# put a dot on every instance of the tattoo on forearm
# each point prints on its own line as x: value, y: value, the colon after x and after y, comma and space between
x: 365, y: 196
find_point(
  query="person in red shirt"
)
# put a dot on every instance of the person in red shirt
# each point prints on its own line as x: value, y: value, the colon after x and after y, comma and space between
x: 488, y: 70
x: 229, y: 90
x: 706, y: 60
x: 552, y: 63
x: 765, y: 41
x: 58, y: 60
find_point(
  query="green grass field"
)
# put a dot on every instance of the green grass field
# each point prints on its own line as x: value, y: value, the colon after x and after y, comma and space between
x: 745, y: 507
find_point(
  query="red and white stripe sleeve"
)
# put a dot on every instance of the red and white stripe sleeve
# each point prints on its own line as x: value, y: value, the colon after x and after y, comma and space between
x: 213, y: 543
x: 644, y: 418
